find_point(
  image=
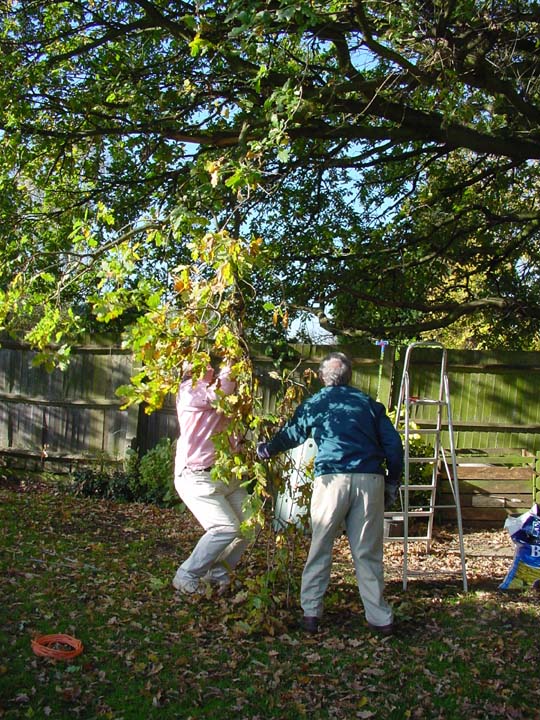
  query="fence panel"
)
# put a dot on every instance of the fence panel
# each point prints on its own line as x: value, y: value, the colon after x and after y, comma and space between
x: 490, y: 490
x: 493, y: 396
x: 71, y: 415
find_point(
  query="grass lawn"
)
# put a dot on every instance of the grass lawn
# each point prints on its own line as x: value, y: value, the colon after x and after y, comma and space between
x: 101, y: 571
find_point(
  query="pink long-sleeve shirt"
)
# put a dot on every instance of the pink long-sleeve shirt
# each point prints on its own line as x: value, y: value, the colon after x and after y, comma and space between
x: 198, y: 420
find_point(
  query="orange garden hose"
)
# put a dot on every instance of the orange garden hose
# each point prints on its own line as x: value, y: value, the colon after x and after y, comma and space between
x: 48, y: 646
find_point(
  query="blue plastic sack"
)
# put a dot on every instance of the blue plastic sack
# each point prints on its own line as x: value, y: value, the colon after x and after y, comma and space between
x: 525, y: 533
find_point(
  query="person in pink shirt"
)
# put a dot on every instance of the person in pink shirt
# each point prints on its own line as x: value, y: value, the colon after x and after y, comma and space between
x: 217, y: 505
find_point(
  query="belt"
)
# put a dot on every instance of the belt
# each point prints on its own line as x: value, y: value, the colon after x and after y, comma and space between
x: 200, y: 470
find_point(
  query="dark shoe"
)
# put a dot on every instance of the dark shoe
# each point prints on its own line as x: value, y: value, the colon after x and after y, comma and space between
x: 310, y: 624
x: 383, y: 630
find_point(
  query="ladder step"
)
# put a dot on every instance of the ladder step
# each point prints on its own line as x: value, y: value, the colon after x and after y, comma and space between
x: 412, y: 513
x: 423, y: 459
x: 398, y: 517
x: 426, y: 401
x: 427, y: 431
x: 421, y: 487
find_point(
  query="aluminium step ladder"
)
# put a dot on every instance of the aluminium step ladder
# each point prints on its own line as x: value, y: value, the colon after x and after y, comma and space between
x: 437, y: 463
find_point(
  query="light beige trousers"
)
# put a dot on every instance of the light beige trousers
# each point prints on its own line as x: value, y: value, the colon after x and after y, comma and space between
x: 219, y: 509
x: 356, y: 500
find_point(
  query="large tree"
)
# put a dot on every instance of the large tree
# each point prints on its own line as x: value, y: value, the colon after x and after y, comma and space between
x: 374, y: 163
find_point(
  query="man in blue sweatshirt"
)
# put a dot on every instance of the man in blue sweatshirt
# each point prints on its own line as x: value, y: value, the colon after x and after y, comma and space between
x: 355, y: 442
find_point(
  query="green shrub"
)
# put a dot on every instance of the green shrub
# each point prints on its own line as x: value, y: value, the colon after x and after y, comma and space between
x: 154, y: 481
x: 96, y: 482
x: 149, y: 479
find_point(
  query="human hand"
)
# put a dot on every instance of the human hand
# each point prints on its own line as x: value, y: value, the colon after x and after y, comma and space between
x: 391, y: 492
x: 262, y: 451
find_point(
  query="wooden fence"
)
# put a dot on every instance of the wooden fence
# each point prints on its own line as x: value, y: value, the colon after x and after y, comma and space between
x: 491, y: 487
x: 55, y: 420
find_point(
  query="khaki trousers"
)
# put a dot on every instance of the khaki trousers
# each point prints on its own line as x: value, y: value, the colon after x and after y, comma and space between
x: 219, y: 509
x: 356, y: 500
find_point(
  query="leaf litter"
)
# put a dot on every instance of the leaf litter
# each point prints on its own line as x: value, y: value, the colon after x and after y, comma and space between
x: 101, y: 571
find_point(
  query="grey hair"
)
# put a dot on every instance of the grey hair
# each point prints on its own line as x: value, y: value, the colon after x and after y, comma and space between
x: 336, y: 369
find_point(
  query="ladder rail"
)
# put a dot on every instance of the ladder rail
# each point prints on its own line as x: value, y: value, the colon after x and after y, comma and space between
x: 455, y: 486
x: 439, y: 460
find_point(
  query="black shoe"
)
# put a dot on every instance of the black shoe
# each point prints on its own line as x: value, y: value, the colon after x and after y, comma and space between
x: 383, y: 630
x: 310, y: 624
